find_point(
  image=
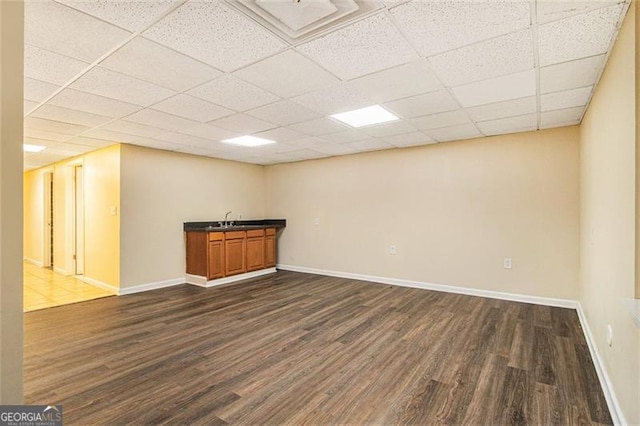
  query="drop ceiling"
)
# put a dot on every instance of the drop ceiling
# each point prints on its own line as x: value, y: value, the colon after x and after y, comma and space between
x: 185, y: 75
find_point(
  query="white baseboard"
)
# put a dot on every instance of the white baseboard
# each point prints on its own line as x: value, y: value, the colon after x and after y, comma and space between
x: 605, y: 383
x: 100, y: 284
x: 150, y: 286
x: 61, y: 271
x: 547, y: 301
x: 34, y: 262
x: 202, y: 281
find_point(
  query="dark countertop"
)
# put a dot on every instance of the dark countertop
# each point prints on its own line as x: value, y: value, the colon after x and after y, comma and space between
x: 238, y: 225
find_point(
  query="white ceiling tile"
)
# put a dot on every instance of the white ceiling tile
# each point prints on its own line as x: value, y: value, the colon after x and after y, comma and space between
x: 509, y: 125
x: 280, y: 134
x: 242, y: 123
x: 157, y: 144
x: 570, y: 75
x: 503, y: 109
x: 132, y: 15
x: 277, y: 148
x: 287, y: 74
x: 398, y: 82
x: 409, y: 139
x: 305, y: 154
x: 36, y: 90
x: 52, y: 112
x: 53, y: 126
x: 152, y: 62
x: 497, y: 89
x: 561, y: 116
x: 216, y: 35
x: 444, y: 119
x: 367, y: 46
x: 70, y: 149
x: 231, y: 92
x: 580, y: 36
x: 309, y: 142
x: 499, y: 56
x: 210, y: 132
x: 347, y: 136
x: 131, y: 128
x: 186, y: 140
x: 44, y: 158
x: 388, y: 129
x: 193, y: 108
x: 109, y: 135
x: 466, y: 131
x: 319, y: 127
x: 111, y: 84
x: 428, y: 103
x: 50, y: 67
x: 75, y: 99
x: 28, y: 106
x: 46, y: 135
x: 283, y: 113
x: 61, y: 29
x: 439, y: 26
x: 335, y: 99
x: 555, y: 10
x: 94, y: 143
x: 161, y: 120
x: 335, y: 149
x: 372, y: 144
x: 567, y: 99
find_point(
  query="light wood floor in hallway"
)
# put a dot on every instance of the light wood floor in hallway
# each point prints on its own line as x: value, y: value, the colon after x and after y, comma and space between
x: 44, y: 288
x: 294, y: 348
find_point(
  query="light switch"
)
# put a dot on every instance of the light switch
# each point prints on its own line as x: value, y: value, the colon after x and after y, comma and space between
x: 114, y: 210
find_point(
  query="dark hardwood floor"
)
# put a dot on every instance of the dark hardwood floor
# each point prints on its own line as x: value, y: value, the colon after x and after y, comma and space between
x: 294, y: 348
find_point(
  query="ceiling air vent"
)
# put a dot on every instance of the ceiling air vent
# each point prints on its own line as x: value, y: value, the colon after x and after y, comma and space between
x: 297, y: 20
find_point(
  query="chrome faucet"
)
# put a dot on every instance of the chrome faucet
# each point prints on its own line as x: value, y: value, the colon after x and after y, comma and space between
x: 226, y: 223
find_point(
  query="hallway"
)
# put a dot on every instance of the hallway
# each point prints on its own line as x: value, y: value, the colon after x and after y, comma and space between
x: 44, y: 288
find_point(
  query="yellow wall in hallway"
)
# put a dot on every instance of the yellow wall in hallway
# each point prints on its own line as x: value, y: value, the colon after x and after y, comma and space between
x: 102, y: 229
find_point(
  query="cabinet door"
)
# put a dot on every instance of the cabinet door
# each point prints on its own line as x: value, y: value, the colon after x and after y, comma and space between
x: 255, y: 253
x: 216, y: 259
x: 269, y: 251
x: 234, y: 253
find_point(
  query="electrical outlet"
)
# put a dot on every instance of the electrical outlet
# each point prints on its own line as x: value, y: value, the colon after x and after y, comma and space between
x: 392, y: 250
x: 316, y: 221
x: 507, y: 263
x: 114, y: 210
x: 239, y: 216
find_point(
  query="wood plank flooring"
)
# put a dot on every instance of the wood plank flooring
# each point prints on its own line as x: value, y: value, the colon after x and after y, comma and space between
x: 293, y: 348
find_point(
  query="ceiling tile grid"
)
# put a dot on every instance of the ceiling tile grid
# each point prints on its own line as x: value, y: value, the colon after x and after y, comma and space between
x: 187, y: 74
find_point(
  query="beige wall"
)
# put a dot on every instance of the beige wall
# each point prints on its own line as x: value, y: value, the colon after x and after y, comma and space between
x: 11, y: 75
x: 453, y: 211
x: 161, y: 190
x: 101, y: 230
x: 608, y: 216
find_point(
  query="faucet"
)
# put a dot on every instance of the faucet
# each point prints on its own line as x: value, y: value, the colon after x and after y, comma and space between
x: 226, y: 223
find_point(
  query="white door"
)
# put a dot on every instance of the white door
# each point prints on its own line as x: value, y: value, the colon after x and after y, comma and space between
x: 79, y: 222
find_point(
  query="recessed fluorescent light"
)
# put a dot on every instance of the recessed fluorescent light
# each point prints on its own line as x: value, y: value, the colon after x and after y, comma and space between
x: 374, y: 114
x: 248, y: 141
x: 32, y: 148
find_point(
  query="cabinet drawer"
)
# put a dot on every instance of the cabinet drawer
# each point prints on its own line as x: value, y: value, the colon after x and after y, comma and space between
x: 255, y: 233
x: 234, y: 235
x: 215, y: 236
x: 270, y: 231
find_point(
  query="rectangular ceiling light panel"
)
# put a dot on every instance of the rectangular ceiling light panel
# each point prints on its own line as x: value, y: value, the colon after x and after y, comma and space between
x: 248, y: 141
x: 368, y: 116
